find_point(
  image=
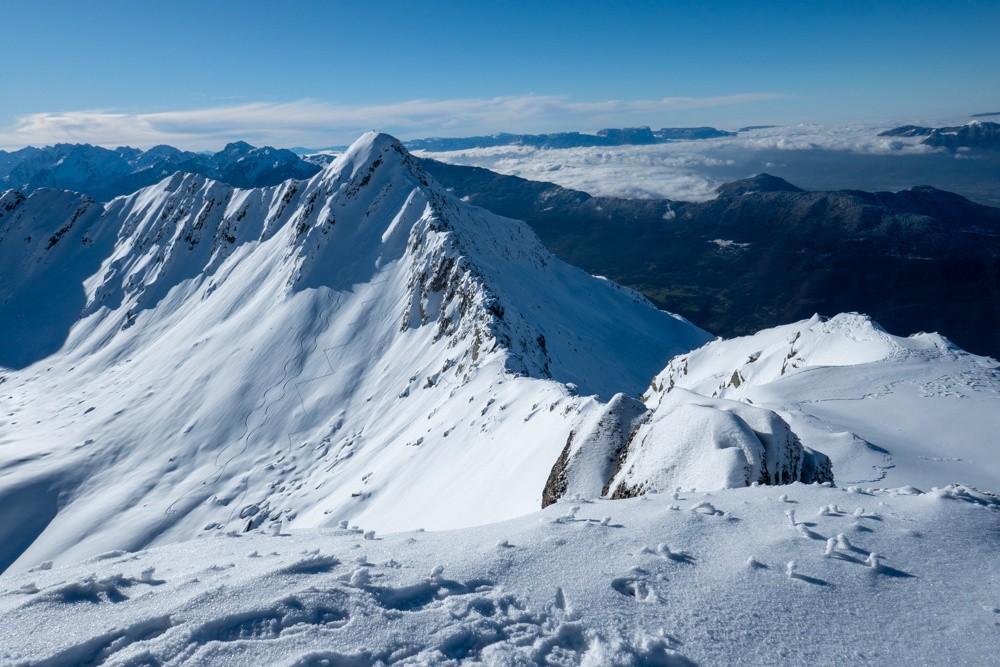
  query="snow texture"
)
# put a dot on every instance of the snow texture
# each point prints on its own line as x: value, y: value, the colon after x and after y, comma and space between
x: 655, y: 586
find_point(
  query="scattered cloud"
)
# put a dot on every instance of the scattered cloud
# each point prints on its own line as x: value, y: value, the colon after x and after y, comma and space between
x: 317, y: 123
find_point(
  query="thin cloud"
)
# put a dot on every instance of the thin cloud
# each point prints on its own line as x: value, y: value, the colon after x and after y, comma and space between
x: 312, y: 122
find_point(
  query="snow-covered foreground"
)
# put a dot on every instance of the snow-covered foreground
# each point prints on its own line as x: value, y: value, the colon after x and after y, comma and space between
x: 759, y: 575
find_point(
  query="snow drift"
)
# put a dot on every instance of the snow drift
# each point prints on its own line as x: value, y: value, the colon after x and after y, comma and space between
x: 709, y: 444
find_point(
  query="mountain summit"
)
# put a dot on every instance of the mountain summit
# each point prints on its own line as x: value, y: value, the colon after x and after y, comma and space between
x: 361, y: 345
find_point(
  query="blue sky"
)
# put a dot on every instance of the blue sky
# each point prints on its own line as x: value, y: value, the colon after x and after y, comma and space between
x: 196, y: 74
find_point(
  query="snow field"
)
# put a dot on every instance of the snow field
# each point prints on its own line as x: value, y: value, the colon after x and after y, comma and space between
x: 717, y: 578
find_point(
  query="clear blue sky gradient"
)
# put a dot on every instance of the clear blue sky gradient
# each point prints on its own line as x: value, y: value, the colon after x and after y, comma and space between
x: 821, y: 61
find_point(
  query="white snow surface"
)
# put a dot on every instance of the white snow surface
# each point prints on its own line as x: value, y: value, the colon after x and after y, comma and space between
x: 716, y: 579
x: 898, y: 411
x: 696, y: 442
x: 359, y: 346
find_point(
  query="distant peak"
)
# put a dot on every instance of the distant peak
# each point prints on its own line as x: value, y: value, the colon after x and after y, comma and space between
x: 237, y: 147
x: 758, y: 183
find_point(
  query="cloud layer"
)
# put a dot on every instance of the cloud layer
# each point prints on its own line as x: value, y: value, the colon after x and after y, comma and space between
x: 811, y: 156
x: 316, y: 123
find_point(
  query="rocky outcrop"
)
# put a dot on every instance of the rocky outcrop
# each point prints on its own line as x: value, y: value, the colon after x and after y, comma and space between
x: 593, y: 451
x: 693, y: 441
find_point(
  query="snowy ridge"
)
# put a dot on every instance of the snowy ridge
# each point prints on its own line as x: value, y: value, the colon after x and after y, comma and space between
x: 845, y: 340
x: 886, y: 409
x: 357, y: 346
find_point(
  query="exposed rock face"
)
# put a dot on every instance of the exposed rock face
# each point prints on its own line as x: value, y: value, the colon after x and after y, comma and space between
x: 593, y: 451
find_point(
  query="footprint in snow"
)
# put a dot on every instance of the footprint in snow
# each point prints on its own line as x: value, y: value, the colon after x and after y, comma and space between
x: 636, y: 585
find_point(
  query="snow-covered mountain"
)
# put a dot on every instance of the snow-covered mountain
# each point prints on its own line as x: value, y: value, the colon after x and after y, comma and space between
x: 313, y: 373
x: 104, y: 173
x: 361, y: 346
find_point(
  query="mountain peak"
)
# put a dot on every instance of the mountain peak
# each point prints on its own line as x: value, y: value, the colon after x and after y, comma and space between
x: 758, y: 183
x: 369, y: 147
x: 370, y: 152
x: 237, y: 147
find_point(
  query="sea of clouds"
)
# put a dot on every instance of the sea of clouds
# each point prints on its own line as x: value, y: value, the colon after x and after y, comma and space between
x: 811, y: 156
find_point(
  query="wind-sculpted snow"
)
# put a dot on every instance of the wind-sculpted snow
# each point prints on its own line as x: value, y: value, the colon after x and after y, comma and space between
x: 698, y: 442
x: 359, y: 346
x: 684, y: 440
x: 730, y: 578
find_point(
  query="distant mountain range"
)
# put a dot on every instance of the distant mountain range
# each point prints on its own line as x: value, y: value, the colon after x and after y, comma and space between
x: 766, y: 252
x: 976, y: 135
x: 629, y: 136
x: 104, y: 173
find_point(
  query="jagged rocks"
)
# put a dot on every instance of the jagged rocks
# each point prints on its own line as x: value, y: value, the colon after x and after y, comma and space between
x: 593, y: 450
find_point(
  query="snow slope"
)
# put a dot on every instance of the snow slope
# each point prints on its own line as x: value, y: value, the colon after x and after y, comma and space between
x: 896, y: 411
x: 357, y: 346
x: 797, y: 575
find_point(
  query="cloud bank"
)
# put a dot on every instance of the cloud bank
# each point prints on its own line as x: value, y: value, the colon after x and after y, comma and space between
x: 811, y: 156
x: 317, y: 123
